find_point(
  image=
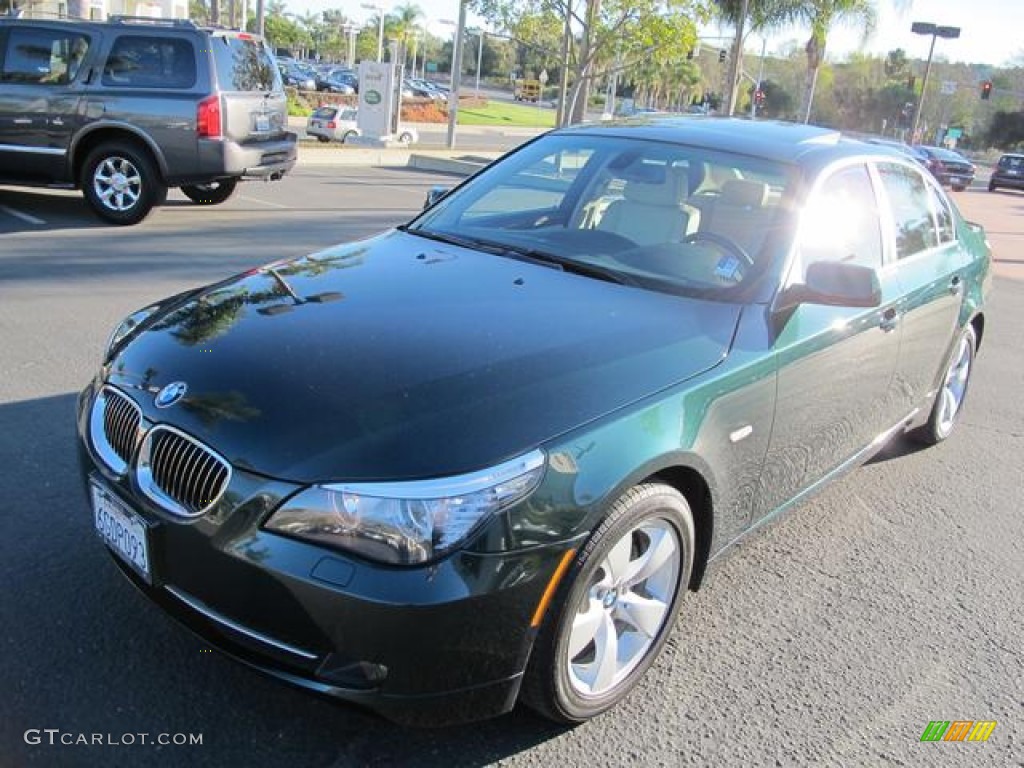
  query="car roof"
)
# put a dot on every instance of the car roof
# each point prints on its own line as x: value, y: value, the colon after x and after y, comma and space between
x: 133, y: 24
x: 792, y: 143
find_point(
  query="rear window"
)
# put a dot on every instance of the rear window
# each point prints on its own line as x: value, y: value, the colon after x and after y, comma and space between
x: 142, y: 61
x: 327, y: 113
x: 244, y: 64
x: 1012, y: 161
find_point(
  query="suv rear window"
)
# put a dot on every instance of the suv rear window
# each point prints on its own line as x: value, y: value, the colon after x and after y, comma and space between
x: 244, y: 64
x: 326, y: 113
x: 143, y: 61
x: 1015, y: 162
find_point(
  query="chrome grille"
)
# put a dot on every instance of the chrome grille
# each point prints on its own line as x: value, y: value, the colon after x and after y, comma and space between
x: 114, y: 427
x: 179, y: 473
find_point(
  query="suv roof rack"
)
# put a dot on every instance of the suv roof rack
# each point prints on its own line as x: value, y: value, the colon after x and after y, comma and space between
x: 118, y: 18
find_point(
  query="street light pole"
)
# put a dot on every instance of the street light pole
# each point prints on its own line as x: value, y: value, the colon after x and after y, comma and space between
x: 380, y: 28
x: 927, y: 28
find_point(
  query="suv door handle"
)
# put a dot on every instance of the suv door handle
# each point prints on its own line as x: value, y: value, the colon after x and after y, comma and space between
x: 890, y: 319
x: 956, y: 285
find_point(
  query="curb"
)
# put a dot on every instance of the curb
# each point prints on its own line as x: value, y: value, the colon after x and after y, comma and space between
x: 455, y: 163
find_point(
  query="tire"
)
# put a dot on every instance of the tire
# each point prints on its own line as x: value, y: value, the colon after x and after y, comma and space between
x: 405, y: 138
x: 324, y: 139
x: 959, y: 189
x: 214, y: 193
x: 348, y: 135
x: 121, y: 183
x: 951, y: 395
x: 572, y: 675
x: 992, y: 187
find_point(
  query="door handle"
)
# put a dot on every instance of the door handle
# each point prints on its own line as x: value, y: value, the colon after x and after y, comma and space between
x: 956, y: 285
x: 890, y: 319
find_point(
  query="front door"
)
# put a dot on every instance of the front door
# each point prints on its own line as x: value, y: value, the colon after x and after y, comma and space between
x: 835, y: 364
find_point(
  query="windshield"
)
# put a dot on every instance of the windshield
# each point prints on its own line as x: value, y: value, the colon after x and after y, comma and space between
x: 663, y: 216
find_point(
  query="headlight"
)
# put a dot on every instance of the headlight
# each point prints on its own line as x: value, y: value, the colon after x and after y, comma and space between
x: 125, y: 329
x: 406, y: 522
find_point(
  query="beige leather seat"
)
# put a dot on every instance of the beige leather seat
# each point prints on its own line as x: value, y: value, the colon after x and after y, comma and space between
x: 652, y: 209
x: 740, y: 215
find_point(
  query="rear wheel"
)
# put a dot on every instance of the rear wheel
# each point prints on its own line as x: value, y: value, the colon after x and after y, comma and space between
x: 323, y: 139
x: 616, y: 609
x: 950, y: 398
x: 121, y: 183
x: 992, y: 187
x: 212, y: 193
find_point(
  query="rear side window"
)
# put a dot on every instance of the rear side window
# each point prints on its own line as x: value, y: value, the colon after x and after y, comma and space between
x: 142, y: 61
x: 43, y: 56
x: 911, y: 209
x: 326, y: 113
x: 244, y: 64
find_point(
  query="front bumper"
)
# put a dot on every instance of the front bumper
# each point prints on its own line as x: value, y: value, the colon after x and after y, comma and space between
x: 439, y: 644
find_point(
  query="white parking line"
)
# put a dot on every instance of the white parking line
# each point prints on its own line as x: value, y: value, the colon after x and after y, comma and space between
x: 264, y: 202
x: 19, y: 215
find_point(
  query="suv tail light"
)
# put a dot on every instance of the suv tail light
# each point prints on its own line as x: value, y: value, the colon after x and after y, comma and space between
x: 208, y: 122
x: 332, y: 125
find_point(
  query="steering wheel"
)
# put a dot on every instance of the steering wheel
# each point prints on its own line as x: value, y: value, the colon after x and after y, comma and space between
x: 723, y: 243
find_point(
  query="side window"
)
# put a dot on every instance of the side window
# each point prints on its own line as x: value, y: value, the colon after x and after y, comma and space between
x: 43, y: 56
x: 841, y: 222
x: 943, y: 215
x: 911, y: 209
x: 141, y: 61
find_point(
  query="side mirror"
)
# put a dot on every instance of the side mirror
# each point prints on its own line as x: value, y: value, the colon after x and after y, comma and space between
x: 835, y: 284
x: 434, y: 195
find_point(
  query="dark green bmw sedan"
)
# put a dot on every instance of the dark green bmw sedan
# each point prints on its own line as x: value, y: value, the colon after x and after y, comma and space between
x: 484, y: 456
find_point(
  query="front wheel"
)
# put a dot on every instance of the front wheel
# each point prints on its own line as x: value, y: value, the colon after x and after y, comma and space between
x: 121, y: 183
x: 213, y: 193
x: 405, y: 138
x: 616, y: 609
x: 950, y: 399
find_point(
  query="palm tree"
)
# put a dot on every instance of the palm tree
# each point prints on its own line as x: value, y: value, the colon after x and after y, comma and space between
x: 748, y: 16
x: 404, y: 25
x: 821, y: 15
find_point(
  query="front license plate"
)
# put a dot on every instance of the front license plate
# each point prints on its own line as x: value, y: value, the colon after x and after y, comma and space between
x: 121, y: 529
x: 956, y: 180
x: 262, y: 123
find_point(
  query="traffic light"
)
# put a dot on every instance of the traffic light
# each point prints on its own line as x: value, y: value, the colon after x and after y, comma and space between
x: 986, y: 90
x: 721, y: 55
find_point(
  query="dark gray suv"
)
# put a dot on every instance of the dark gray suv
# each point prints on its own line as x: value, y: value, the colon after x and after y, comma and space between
x: 127, y: 108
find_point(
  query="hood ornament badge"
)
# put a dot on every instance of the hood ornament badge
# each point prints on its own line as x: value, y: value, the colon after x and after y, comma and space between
x: 170, y: 394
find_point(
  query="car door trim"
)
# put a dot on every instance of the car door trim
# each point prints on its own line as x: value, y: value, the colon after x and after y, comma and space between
x: 57, y: 151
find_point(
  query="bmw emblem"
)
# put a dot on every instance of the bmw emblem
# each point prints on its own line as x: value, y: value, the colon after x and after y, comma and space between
x: 170, y: 394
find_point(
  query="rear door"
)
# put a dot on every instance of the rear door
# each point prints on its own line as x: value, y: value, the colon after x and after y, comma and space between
x: 41, y: 80
x: 254, y: 104
x: 932, y: 269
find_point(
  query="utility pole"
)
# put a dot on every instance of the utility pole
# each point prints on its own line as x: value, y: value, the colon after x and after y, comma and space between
x: 453, y: 97
x: 563, y: 81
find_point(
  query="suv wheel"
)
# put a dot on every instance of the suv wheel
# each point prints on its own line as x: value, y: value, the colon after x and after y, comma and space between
x: 213, y: 193
x: 121, y: 183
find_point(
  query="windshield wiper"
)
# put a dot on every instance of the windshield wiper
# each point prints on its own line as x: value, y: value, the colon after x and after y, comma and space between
x: 571, y: 265
x: 523, y: 253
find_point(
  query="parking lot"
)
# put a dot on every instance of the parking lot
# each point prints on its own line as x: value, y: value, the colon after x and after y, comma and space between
x: 832, y: 637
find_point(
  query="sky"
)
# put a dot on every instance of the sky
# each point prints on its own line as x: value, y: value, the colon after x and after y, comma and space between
x: 990, y: 29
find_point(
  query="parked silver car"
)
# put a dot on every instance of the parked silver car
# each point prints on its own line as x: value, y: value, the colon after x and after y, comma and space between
x: 338, y: 123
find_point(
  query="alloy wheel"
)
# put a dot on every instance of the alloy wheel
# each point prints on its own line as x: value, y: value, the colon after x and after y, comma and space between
x: 625, y: 607
x: 117, y: 183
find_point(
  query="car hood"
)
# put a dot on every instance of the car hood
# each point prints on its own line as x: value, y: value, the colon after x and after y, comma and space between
x: 399, y: 358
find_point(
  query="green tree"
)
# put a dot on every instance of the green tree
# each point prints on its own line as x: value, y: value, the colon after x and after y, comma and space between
x: 624, y: 31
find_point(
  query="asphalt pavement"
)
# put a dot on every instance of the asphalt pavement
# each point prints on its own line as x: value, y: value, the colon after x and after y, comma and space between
x: 831, y: 637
